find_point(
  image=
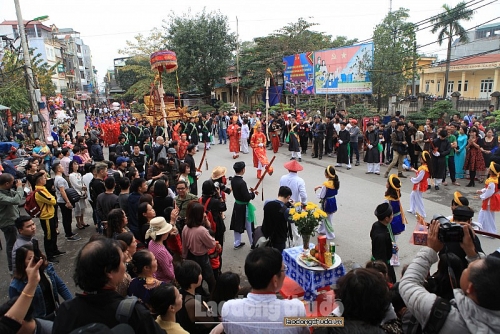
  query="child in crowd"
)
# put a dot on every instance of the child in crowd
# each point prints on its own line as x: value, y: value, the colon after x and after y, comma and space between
x: 393, y: 197
x: 420, y: 185
x: 329, y: 189
x: 491, y: 199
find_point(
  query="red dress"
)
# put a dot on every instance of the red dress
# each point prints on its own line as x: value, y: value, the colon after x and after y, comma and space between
x: 474, y: 159
x: 183, y: 145
x: 234, y: 134
x: 259, y: 153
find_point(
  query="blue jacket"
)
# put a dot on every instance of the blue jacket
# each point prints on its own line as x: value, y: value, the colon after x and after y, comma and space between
x: 57, y: 285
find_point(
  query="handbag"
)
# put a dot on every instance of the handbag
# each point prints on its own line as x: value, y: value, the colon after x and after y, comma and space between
x: 287, y: 138
x: 83, y: 195
x: 73, y: 195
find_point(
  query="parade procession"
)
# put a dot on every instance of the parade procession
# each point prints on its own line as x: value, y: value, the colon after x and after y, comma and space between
x: 188, y: 180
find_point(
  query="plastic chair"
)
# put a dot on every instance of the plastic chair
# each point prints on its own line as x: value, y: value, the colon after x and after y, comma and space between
x: 291, y: 289
x: 322, y: 306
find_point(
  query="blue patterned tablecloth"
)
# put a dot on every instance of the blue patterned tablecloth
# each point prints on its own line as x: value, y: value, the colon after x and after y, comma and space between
x: 309, y: 280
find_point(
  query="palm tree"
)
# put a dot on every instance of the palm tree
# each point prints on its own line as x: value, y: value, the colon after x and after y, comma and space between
x: 448, y: 25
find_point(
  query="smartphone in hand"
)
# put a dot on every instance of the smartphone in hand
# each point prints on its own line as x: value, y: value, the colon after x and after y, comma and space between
x: 36, y: 251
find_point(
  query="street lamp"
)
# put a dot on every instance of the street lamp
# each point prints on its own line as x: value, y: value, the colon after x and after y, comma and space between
x: 30, y: 81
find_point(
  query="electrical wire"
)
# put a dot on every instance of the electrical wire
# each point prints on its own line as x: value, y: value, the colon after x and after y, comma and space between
x: 429, y: 19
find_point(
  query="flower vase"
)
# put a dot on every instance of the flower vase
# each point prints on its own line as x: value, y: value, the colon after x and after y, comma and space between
x: 306, y: 239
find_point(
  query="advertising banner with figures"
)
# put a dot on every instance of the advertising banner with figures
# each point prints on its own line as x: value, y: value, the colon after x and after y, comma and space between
x: 299, y: 73
x: 343, y: 70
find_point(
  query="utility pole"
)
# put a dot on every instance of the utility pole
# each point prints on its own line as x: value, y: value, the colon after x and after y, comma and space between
x: 414, y: 81
x: 30, y: 80
x: 237, y: 66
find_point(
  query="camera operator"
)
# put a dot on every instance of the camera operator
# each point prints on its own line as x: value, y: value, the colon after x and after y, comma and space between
x: 462, y: 215
x: 216, y: 205
x: 476, y: 304
x: 157, y: 170
x: 220, y: 181
x: 172, y: 167
x: 121, y: 151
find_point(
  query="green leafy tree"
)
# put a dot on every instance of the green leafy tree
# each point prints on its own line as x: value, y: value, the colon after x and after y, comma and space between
x: 317, y: 103
x: 43, y: 75
x: 393, y: 55
x: 136, y: 78
x: 495, y: 120
x: 440, y: 108
x: 204, y: 47
x: 13, y: 89
x: 145, y: 45
x: 447, y: 24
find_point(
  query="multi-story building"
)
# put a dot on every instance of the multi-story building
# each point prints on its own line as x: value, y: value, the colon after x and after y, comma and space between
x: 483, y: 39
x: 79, y: 65
x: 474, y: 67
x: 112, y: 86
x: 62, y: 49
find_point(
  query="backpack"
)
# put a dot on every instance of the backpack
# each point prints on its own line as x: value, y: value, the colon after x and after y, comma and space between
x: 210, y: 218
x: 31, y: 206
x: 125, y: 309
x: 439, y: 312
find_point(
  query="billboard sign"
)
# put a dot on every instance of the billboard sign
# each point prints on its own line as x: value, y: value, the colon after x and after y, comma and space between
x: 299, y: 73
x: 338, y: 71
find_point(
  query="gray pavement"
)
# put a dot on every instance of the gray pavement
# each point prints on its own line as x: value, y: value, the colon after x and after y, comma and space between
x: 358, y: 196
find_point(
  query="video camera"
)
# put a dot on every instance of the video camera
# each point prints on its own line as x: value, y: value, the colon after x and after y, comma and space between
x: 222, y: 187
x: 448, y: 231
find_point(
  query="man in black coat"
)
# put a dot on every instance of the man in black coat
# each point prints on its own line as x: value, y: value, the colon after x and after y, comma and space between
x: 442, y: 148
x: 275, y: 225
x: 96, y: 151
x: 243, y: 217
x: 372, y: 154
x: 382, y: 238
x: 318, y: 130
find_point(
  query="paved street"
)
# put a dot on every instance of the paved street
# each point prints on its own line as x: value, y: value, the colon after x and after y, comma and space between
x: 358, y: 196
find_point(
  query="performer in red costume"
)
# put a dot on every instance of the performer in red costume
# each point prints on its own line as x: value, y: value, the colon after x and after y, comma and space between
x: 183, y: 145
x: 258, y: 144
x: 234, y: 134
x: 175, y: 133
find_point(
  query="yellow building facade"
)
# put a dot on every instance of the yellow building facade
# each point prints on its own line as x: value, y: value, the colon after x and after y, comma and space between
x: 474, y: 78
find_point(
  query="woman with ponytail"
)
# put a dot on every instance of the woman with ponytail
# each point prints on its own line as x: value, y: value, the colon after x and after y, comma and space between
x: 420, y: 185
x: 491, y: 199
x: 329, y: 190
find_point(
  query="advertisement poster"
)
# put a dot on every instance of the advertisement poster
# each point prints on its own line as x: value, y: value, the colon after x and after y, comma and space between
x: 299, y: 73
x: 338, y: 71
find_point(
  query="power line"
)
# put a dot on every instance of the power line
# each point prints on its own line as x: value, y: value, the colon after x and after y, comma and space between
x: 429, y: 19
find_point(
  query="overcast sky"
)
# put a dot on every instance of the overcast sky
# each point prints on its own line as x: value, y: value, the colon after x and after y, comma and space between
x: 105, y: 25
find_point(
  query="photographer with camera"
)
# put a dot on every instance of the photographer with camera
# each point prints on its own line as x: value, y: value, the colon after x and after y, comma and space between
x: 452, y: 233
x: 157, y: 170
x: 476, y: 304
x: 212, y: 201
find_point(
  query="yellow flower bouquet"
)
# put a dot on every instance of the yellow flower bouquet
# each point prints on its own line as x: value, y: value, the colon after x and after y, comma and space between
x: 308, y: 218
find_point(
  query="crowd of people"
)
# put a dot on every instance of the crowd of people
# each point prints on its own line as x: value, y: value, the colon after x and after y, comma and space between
x: 160, y: 239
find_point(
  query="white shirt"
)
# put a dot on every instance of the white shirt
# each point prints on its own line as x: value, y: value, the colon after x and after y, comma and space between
x: 245, y: 131
x: 261, y: 313
x: 298, y: 186
x: 86, y: 180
